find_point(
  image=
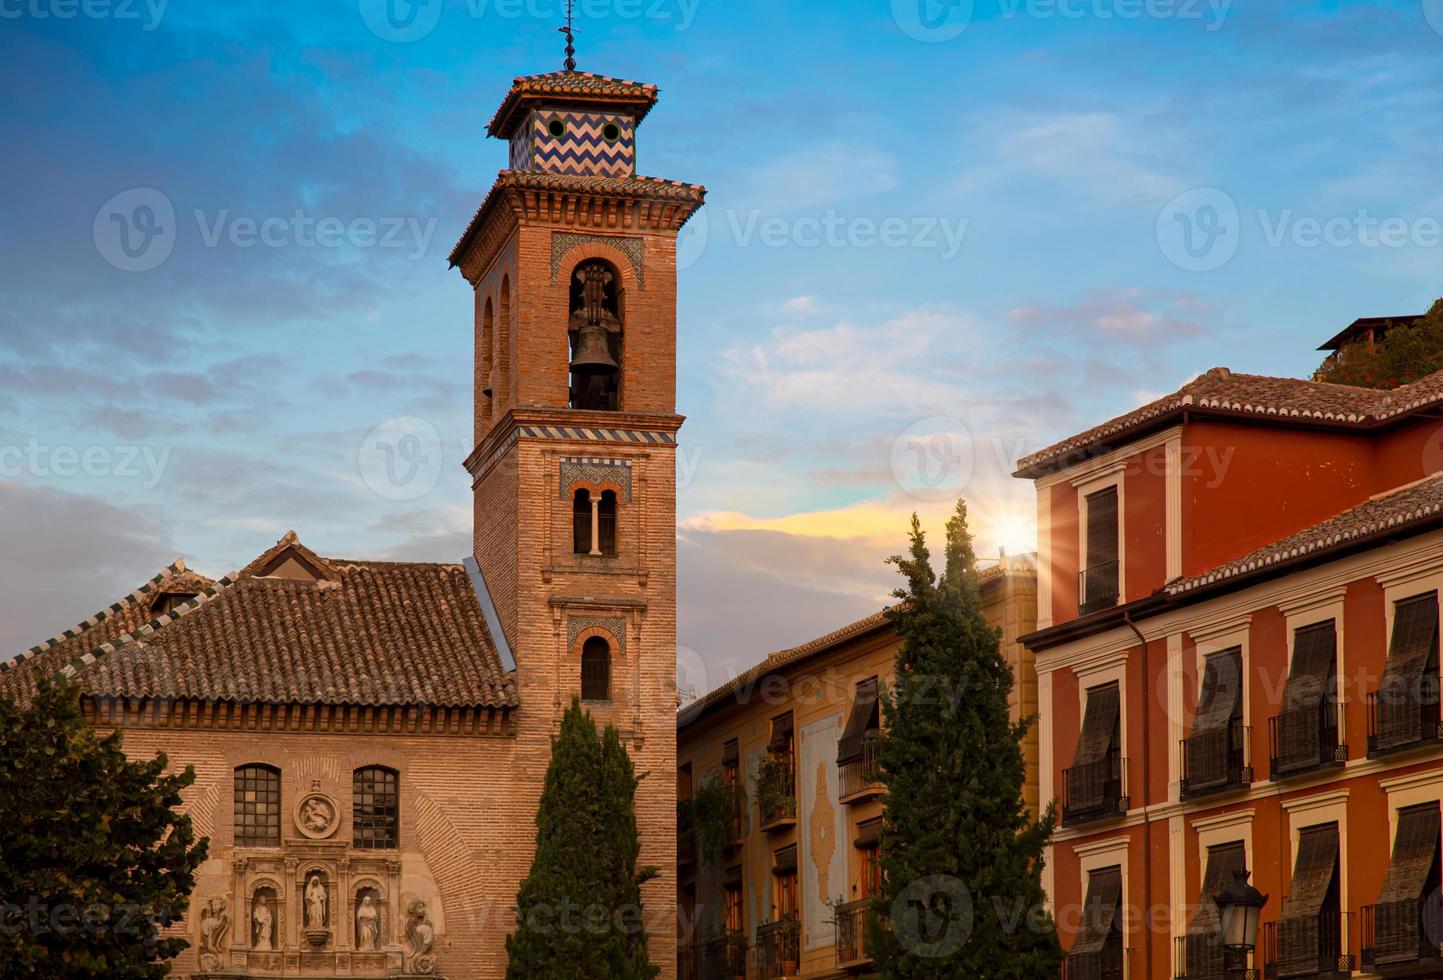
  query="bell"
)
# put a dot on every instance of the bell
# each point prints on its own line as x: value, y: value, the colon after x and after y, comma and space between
x: 593, y: 351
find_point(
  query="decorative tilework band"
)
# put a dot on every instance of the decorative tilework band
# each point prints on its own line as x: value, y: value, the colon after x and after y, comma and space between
x: 577, y: 625
x: 576, y: 470
x: 633, y: 248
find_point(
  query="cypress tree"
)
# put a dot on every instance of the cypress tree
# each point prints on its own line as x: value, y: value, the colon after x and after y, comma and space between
x: 578, y: 913
x: 962, y: 858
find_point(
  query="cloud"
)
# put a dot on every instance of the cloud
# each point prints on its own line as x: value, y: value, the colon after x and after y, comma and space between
x: 1095, y: 153
x: 1138, y: 317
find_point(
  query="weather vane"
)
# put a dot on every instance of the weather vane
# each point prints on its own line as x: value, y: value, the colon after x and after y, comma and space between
x: 570, y: 33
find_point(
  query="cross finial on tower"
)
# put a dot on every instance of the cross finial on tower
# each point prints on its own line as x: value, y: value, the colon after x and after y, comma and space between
x: 570, y: 33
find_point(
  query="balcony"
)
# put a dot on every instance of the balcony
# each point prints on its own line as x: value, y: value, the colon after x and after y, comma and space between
x: 1095, y: 791
x: 1097, y: 588
x: 1324, y: 749
x: 779, y: 948
x: 1429, y: 729
x: 851, y: 942
x: 1403, y: 948
x: 1333, y: 956
x: 776, y: 792
x: 1186, y: 958
x: 859, y: 777
x: 724, y: 958
x: 1109, y: 964
x: 1235, y: 765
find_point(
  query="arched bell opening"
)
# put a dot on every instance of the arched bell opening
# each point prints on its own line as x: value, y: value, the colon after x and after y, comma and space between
x: 596, y: 333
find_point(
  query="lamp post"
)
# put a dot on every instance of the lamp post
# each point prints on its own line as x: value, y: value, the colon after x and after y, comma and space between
x: 1241, y: 906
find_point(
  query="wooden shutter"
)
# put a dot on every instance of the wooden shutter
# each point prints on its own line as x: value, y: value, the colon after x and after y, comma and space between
x: 782, y: 729
x: 785, y: 861
x: 1102, y: 527
x: 1398, y: 914
x: 869, y: 832
x: 1411, y: 652
x: 1299, y: 929
x: 1204, y: 947
x: 1209, y: 749
x: 1309, y: 689
x: 1099, y: 918
x: 1091, y: 770
x: 731, y: 753
x: 862, y: 720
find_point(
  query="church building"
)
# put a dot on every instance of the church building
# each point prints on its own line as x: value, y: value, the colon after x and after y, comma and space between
x: 370, y: 738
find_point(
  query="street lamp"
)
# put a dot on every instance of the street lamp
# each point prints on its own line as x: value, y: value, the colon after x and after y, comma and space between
x: 1241, y: 905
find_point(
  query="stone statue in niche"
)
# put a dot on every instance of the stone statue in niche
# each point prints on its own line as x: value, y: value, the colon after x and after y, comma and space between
x: 368, y: 923
x: 316, y: 899
x: 420, y: 939
x: 214, y: 927
x: 263, y: 923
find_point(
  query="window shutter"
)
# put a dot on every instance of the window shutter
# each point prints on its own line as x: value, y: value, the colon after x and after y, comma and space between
x: 1415, y: 861
x: 868, y: 833
x: 1299, y: 929
x: 731, y: 753
x: 1091, y: 769
x: 782, y: 729
x: 1210, y: 745
x: 862, y: 720
x: 1411, y: 652
x: 785, y: 861
x: 1308, y: 692
x: 1204, y: 944
x: 1099, y: 917
x: 1102, y: 527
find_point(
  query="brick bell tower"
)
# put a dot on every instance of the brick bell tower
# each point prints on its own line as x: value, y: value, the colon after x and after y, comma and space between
x: 573, y: 260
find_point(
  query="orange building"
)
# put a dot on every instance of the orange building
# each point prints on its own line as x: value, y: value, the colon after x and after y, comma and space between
x: 787, y: 894
x: 1237, y: 661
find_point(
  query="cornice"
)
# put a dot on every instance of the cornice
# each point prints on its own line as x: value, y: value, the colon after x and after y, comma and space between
x: 616, y: 430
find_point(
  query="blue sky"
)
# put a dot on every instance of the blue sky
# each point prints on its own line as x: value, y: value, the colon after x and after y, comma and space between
x: 937, y: 236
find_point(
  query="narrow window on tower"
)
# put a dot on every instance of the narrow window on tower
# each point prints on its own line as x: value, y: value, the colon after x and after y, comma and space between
x: 596, y: 338
x: 581, y: 523
x: 606, y: 523
x: 596, y: 670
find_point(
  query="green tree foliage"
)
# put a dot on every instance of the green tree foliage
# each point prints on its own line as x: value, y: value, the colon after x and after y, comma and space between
x: 1408, y: 351
x: 94, y: 857
x: 579, y: 913
x: 962, y: 858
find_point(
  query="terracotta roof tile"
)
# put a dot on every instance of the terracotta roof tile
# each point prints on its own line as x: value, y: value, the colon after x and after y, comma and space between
x: 1220, y: 392
x: 566, y: 86
x: 370, y: 633
x: 1405, y: 505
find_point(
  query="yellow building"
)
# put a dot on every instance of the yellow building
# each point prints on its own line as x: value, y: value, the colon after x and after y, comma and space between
x: 785, y: 896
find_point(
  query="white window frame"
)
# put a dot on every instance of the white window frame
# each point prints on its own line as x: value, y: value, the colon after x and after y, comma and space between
x: 1310, y: 611
x: 1110, y: 853
x: 1313, y: 811
x: 1097, y: 674
x: 1114, y: 476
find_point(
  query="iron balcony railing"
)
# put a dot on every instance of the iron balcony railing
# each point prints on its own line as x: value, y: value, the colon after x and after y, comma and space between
x: 1424, y: 701
x: 1422, y: 944
x: 1323, y: 723
x: 725, y: 957
x: 1334, y: 954
x: 1108, y: 964
x: 1238, y: 764
x: 779, y: 948
x: 851, y: 933
x: 777, y: 796
x: 1095, y: 790
x: 1183, y: 945
x: 859, y: 776
x: 1097, y: 588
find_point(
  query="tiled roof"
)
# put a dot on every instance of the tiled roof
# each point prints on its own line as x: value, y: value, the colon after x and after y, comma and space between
x: 567, y: 86
x: 1415, y: 502
x: 1221, y: 392
x: 364, y: 633
x: 789, y: 657
x: 636, y: 187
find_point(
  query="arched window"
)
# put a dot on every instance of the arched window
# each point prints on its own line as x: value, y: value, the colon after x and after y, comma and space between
x: 257, y: 806
x: 503, y: 337
x: 596, y: 670
x: 596, y: 337
x: 581, y: 523
x: 376, y: 809
x: 486, y: 356
x: 606, y: 523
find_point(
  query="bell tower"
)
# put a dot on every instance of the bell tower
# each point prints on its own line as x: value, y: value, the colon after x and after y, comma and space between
x: 572, y: 257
